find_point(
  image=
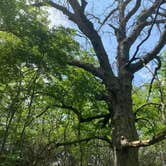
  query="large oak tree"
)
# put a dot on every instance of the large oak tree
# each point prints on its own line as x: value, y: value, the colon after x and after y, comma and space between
x: 46, y: 54
x: 128, y: 20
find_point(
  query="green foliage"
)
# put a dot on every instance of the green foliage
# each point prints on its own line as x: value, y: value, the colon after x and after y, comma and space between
x: 151, y: 117
x: 39, y: 91
x: 35, y: 82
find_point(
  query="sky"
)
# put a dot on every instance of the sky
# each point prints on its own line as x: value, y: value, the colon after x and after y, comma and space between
x: 57, y: 18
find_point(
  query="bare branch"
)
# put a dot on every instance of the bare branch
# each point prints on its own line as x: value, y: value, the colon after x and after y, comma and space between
x: 43, y: 112
x: 162, y: 14
x: 146, y: 38
x: 154, y: 76
x: 133, y: 11
x: 151, y: 123
x: 113, y: 27
x: 137, y: 144
x: 54, y: 144
x: 149, y: 56
x: 87, y: 28
x: 121, y: 10
x: 76, y: 6
x: 107, y: 17
x: 156, y: 22
x: 79, y: 115
x: 141, y: 22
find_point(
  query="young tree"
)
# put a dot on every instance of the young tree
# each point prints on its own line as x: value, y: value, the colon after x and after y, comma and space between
x: 128, y: 21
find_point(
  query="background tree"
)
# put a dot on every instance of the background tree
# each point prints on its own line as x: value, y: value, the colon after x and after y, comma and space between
x: 151, y: 116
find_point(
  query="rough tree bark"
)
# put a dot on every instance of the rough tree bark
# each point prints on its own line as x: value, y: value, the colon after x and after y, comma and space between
x: 123, y: 125
x: 119, y: 88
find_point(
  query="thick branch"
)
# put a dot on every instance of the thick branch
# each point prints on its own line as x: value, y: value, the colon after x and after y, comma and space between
x: 79, y: 115
x: 74, y: 110
x: 137, y: 144
x: 133, y: 11
x: 103, y: 96
x: 61, y: 8
x: 150, y: 56
x: 121, y: 9
x: 87, y: 28
x: 83, y: 140
x: 146, y: 38
x: 126, y: 3
x: 141, y: 22
x: 94, y: 118
x: 83, y: 4
x: 88, y: 67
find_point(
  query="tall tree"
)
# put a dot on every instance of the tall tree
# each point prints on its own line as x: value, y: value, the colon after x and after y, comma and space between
x: 128, y: 21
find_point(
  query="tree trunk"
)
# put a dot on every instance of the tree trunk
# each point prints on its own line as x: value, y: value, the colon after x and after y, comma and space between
x: 123, y: 126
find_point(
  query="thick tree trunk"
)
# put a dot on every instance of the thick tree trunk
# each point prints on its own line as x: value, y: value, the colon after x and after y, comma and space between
x: 123, y: 126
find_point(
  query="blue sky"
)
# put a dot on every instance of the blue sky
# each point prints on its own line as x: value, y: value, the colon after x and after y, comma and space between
x: 99, y: 9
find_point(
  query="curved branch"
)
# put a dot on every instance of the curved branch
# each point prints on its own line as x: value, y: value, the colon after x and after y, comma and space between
x: 133, y: 11
x: 88, y: 29
x: 61, y: 8
x: 141, y: 22
x: 144, y: 105
x: 146, y: 38
x: 88, y: 67
x: 54, y: 144
x: 82, y: 140
x: 149, y: 56
x: 154, y: 76
x: 137, y: 144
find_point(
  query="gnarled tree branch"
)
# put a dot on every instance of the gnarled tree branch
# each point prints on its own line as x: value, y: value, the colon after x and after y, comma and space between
x: 137, y: 144
x: 141, y: 22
